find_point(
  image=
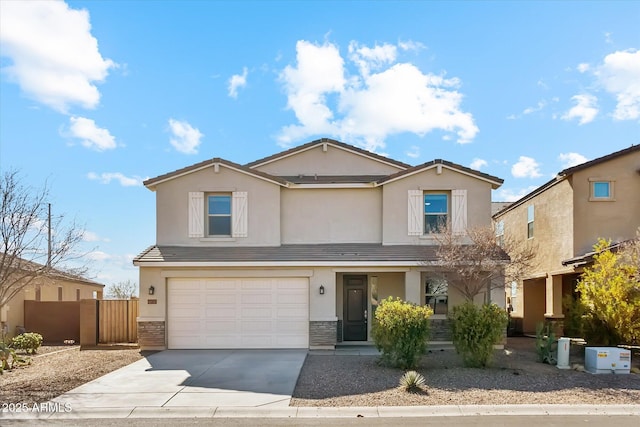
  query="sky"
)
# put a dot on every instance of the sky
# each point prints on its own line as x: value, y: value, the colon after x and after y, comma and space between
x: 97, y: 96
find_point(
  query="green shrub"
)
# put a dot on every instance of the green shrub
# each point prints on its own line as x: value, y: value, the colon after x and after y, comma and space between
x: 8, y: 357
x: 400, y: 332
x: 574, y: 312
x: 475, y: 329
x: 30, y: 342
x: 412, y: 381
x: 546, y: 344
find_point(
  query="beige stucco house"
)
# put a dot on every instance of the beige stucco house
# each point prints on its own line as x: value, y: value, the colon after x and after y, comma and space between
x: 562, y: 220
x: 295, y: 250
x: 59, y: 286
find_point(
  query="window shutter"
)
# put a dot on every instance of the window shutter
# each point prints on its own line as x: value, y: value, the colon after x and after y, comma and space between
x: 239, y: 214
x: 415, y: 213
x: 196, y: 214
x: 459, y: 211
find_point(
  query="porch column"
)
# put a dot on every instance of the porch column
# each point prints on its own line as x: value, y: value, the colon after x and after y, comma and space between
x: 554, y: 296
x: 412, y: 287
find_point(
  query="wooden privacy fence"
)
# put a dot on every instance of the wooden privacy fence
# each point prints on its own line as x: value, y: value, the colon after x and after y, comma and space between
x: 108, y: 322
x: 117, y: 321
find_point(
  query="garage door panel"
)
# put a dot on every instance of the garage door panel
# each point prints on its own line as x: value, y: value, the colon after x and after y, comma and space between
x: 238, y: 313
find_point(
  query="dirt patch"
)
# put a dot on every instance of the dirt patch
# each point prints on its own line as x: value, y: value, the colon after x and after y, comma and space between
x: 514, y: 378
x: 53, y: 372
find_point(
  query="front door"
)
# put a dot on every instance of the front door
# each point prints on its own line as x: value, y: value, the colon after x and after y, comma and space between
x: 355, y: 308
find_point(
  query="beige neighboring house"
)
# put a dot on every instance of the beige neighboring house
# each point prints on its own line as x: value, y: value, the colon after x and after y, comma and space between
x: 297, y: 249
x: 562, y: 220
x: 60, y: 286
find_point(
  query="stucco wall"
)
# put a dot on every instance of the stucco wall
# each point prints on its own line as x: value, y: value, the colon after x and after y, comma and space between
x: 334, y: 161
x: 395, y: 196
x: 332, y: 215
x: 616, y: 220
x: 172, y: 208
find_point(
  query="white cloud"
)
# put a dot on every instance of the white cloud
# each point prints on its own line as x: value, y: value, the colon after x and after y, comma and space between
x: 619, y: 74
x: 477, y: 164
x: 384, y: 97
x: 414, y: 153
x: 509, y: 195
x: 571, y: 159
x: 585, y: 109
x: 583, y: 68
x: 98, y: 256
x: 90, y: 236
x: 410, y: 45
x: 526, y: 167
x: 55, y: 59
x: 107, y: 177
x: 90, y: 135
x: 538, y: 107
x: 186, y: 138
x: 237, y: 81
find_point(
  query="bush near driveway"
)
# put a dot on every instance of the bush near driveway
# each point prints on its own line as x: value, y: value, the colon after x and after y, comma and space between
x: 400, y: 332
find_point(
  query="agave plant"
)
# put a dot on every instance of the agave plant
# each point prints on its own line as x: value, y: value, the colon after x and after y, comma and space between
x: 412, y: 381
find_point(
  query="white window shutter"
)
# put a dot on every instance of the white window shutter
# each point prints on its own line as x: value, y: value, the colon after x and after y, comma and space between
x: 415, y: 213
x: 239, y: 214
x: 196, y: 214
x: 459, y: 211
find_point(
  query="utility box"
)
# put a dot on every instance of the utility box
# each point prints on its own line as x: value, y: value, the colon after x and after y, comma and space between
x: 607, y: 360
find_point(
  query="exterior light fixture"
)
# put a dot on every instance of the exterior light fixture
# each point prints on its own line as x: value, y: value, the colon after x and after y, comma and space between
x: 321, y: 290
x: 152, y: 290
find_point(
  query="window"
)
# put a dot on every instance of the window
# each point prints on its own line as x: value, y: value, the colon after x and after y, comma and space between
x: 500, y: 233
x: 601, y: 190
x: 436, y: 292
x: 512, y: 300
x: 219, y: 215
x: 436, y: 212
x: 77, y: 294
x: 530, y: 218
x: 59, y: 293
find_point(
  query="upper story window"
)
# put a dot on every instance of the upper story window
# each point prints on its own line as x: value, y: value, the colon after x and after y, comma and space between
x: 436, y: 212
x: 219, y: 215
x: 500, y: 233
x: 600, y: 190
x: 530, y: 219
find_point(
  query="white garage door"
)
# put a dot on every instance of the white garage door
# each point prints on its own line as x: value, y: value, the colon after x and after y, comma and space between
x: 238, y: 313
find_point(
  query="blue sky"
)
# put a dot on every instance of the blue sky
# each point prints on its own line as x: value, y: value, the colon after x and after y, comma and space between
x: 96, y: 96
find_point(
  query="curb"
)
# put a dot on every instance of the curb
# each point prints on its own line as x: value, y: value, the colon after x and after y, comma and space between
x: 324, y: 412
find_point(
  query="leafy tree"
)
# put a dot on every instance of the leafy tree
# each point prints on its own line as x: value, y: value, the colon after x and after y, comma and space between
x: 400, y: 331
x: 122, y: 290
x: 27, y: 255
x: 610, y: 291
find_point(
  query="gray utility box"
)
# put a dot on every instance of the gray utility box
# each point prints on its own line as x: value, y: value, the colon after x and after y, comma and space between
x: 607, y: 360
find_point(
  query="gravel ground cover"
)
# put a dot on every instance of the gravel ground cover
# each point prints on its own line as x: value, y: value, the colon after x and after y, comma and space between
x: 515, y: 378
x: 53, y: 372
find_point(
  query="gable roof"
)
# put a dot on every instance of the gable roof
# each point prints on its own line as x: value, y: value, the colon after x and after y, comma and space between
x: 337, y: 144
x: 493, y: 180
x: 18, y: 263
x: 215, y: 162
x: 566, y: 173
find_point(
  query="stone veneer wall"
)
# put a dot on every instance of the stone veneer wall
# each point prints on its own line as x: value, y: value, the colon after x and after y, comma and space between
x: 440, y: 330
x: 322, y: 333
x: 151, y: 334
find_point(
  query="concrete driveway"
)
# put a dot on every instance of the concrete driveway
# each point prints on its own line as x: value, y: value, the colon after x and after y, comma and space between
x: 195, y: 378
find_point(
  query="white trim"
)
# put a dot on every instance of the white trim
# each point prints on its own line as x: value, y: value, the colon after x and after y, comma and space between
x: 199, y: 274
x: 324, y: 319
x: 324, y: 144
x: 239, y: 214
x: 149, y: 319
x: 496, y: 183
x: 229, y: 264
x: 196, y: 214
x: 415, y: 213
x: 341, y: 185
x: 459, y: 211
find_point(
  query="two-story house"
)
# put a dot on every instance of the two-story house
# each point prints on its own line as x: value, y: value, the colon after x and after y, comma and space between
x: 562, y: 220
x: 296, y: 250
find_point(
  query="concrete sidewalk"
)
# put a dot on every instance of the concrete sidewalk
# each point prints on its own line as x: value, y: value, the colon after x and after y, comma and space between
x: 133, y: 412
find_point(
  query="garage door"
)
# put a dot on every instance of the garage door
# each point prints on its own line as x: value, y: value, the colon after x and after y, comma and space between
x: 238, y: 313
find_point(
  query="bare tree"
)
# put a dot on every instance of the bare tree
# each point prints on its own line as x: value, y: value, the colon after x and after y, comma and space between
x: 32, y: 250
x: 122, y: 290
x: 473, y: 263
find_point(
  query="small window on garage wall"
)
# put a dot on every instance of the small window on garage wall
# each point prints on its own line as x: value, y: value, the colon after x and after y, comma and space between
x: 77, y: 294
x: 59, y: 293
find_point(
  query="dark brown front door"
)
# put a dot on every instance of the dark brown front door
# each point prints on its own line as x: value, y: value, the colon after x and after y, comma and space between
x: 355, y: 308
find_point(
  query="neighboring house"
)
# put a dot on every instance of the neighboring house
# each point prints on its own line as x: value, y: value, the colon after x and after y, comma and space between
x: 60, y: 286
x: 297, y: 249
x: 562, y: 220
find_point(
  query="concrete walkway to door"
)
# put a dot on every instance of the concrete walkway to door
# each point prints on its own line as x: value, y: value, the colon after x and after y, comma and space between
x: 194, y: 378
